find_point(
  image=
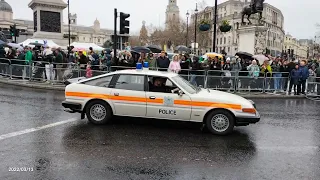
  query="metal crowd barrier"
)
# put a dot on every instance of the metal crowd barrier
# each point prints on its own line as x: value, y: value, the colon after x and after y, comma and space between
x: 231, y: 81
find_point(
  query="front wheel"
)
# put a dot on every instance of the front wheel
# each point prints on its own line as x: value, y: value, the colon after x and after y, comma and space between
x: 220, y: 122
x: 98, y: 112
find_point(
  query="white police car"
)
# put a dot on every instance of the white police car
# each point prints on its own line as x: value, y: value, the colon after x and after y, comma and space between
x: 159, y: 95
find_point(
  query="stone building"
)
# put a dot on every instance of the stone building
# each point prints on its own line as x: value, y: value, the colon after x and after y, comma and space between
x: 172, y: 13
x: 297, y: 48
x: 231, y: 10
x: 84, y: 34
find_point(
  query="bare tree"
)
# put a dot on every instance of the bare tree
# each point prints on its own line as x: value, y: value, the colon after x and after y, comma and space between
x: 174, y: 34
x: 134, y: 41
x: 144, y: 38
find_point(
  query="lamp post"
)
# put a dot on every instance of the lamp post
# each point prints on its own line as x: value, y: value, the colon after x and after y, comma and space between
x: 215, y: 25
x: 187, y: 28
x: 69, y: 33
x: 195, y: 28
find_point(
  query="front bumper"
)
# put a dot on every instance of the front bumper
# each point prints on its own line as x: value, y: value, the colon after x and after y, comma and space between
x: 243, y: 120
x: 74, y: 107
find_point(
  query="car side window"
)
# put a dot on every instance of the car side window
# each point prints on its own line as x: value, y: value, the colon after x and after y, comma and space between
x: 100, y: 82
x: 160, y: 84
x: 130, y: 82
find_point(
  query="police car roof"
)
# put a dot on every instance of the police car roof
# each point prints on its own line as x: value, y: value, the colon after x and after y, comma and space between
x: 146, y: 72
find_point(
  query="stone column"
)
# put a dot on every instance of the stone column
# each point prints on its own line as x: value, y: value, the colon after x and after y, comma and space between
x: 252, y: 39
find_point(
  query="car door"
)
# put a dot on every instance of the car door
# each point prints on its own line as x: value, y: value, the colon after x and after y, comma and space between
x: 167, y: 105
x: 128, y: 95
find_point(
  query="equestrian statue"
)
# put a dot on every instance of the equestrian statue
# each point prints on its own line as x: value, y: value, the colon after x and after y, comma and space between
x: 256, y: 6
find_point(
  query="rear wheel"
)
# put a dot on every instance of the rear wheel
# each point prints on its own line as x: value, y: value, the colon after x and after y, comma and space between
x: 98, y: 112
x: 220, y: 122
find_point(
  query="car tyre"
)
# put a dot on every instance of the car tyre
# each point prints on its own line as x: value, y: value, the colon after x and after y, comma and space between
x: 98, y: 112
x: 220, y: 122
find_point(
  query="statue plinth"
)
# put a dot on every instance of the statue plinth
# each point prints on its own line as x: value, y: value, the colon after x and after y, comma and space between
x: 48, y: 20
x: 252, y: 39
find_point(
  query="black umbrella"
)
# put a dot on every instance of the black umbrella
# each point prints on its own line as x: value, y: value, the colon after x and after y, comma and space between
x: 182, y: 48
x: 154, y: 48
x: 244, y: 55
x: 36, y: 44
x: 140, y: 49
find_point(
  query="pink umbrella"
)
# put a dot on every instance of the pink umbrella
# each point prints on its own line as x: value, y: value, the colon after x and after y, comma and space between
x: 260, y: 57
x: 78, y: 49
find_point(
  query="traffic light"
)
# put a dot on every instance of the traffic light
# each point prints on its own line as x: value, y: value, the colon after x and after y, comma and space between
x: 17, y: 32
x: 124, y: 23
x: 12, y: 30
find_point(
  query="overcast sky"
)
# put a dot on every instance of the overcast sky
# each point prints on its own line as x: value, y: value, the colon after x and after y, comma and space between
x: 300, y: 15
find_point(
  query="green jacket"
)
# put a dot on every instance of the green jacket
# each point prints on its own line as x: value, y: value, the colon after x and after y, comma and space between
x: 28, y: 57
x: 59, y: 58
x: 152, y: 62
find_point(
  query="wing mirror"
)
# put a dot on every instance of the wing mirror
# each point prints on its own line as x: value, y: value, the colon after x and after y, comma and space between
x: 178, y: 91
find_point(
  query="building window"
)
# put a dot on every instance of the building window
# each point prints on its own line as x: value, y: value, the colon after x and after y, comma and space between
x: 225, y: 14
x: 224, y: 40
x: 220, y: 40
x: 228, y: 49
x: 98, y: 40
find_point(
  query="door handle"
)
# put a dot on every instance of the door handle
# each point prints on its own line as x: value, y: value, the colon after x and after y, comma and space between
x: 116, y: 94
x: 152, y: 97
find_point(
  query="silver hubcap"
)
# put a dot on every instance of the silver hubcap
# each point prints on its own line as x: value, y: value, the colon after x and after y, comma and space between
x: 220, y: 122
x: 98, y: 112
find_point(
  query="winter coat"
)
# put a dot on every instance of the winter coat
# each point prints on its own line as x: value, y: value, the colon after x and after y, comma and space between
x: 304, y: 72
x: 296, y: 75
x: 254, y: 70
x: 28, y: 57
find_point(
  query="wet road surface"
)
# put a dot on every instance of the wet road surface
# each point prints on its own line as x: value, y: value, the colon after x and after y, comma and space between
x: 285, y: 144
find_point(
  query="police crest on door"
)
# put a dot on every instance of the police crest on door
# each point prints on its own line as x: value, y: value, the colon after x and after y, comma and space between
x: 168, y: 101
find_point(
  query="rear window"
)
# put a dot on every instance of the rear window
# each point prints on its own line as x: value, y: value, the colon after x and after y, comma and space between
x: 100, y: 82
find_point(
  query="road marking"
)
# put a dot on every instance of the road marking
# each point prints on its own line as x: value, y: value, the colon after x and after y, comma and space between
x: 26, y: 131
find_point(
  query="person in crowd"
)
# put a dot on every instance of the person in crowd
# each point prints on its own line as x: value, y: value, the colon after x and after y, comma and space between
x: 312, y: 79
x: 226, y: 79
x: 277, y: 75
x: 11, y: 54
x: 142, y: 57
x: 28, y: 62
x: 163, y: 62
x: 295, y: 78
x: 2, y: 60
x: 304, y: 76
x: 266, y: 72
x: 175, y: 65
x: 254, y: 72
x: 59, y: 66
x: 215, y: 72
x: 291, y: 66
x: 196, y: 72
x: 88, y: 70
x: 184, y: 64
x: 151, y: 61
x: 235, y: 69
x: 285, y: 75
x: 82, y: 59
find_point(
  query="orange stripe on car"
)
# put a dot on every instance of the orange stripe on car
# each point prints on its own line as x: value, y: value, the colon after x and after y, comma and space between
x: 159, y: 101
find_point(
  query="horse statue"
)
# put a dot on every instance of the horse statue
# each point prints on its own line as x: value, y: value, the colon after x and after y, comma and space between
x: 256, y: 6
